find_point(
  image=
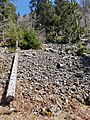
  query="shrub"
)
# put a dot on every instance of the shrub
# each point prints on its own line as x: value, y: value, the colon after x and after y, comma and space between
x: 11, y: 35
x: 81, y: 49
x: 29, y: 40
x: 51, y: 39
x: 56, y: 39
x: 69, y: 50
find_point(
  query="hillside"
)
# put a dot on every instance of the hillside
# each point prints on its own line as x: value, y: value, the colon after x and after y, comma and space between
x: 51, y: 84
x: 52, y: 48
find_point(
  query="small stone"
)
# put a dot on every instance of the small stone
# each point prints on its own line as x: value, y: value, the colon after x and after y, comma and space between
x: 46, y: 77
x: 62, y: 90
x: 73, y: 88
x: 46, y: 49
x: 87, y: 100
x: 61, y: 65
x: 80, y: 99
x: 11, y: 110
x: 39, y: 87
x: 2, y: 82
x: 75, y: 58
x: 67, y: 101
x: 1, y: 107
x: 79, y: 74
x: 52, y: 50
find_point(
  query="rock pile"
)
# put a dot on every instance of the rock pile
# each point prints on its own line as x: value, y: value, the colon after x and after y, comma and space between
x: 49, y: 77
x: 68, y: 74
x: 6, y: 59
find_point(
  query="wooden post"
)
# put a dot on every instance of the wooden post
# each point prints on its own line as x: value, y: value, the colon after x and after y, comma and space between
x: 16, y: 44
x: 12, y: 81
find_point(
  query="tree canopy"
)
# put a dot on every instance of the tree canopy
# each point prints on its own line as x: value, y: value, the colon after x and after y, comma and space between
x: 61, y: 17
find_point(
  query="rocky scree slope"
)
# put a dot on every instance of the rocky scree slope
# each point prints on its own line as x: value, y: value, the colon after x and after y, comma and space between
x: 49, y: 81
x: 69, y: 74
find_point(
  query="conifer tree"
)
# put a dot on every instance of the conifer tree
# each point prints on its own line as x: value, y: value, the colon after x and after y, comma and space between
x: 8, y: 16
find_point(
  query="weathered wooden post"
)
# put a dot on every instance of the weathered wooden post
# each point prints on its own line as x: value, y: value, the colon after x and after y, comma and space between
x: 13, y: 77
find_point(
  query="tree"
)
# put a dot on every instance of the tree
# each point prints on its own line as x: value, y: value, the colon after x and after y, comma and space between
x: 2, y: 8
x: 8, y: 16
x: 9, y: 12
x: 62, y: 17
x: 29, y: 40
x: 45, y: 16
x: 34, y: 4
x: 68, y: 20
x: 8, y: 9
x: 11, y: 35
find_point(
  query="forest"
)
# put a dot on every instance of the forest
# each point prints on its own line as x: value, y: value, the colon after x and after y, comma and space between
x: 61, y: 21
